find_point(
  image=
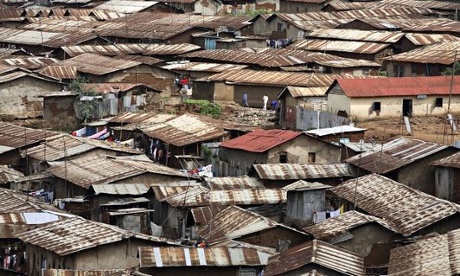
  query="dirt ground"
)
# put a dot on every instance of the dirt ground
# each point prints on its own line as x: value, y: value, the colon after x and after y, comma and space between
x: 427, y: 128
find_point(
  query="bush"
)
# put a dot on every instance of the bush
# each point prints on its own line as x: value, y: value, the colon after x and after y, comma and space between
x: 206, y: 107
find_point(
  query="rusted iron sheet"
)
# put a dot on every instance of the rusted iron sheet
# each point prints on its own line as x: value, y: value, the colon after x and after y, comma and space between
x: 305, y: 171
x: 302, y: 185
x: 209, y: 256
x: 31, y: 63
x: 97, y: 65
x: 319, y: 253
x: 274, y: 78
x: 297, y: 91
x: 438, y: 53
x: 92, y: 272
x: 184, y: 130
x: 357, y: 35
x: 395, y: 154
x: 202, y: 215
x: 18, y: 202
x: 421, y: 39
x: 17, y: 136
x: 407, y: 209
x: 202, y: 67
x: 439, y: 5
x: 142, y: 118
x: 172, y: 189
x: 127, y: 7
x: 358, y: 47
x: 260, y: 140
x: 452, y: 161
x: 131, y: 49
x: 336, y: 226
x: 234, y: 183
x: 121, y: 189
x: 9, y: 174
x: 60, y: 72
x: 76, y: 234
x: 248, y: 197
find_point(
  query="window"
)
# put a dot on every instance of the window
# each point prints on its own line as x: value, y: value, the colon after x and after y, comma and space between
x: 438, y: 102
x: 376, y: 106
x: 283, y: 157
x: 311, y: 157
x: 280, y: 26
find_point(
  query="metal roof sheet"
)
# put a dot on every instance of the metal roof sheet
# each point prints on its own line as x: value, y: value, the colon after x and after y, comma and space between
x: 9, y: 174
x: 260, y: 140
x: 122, y: 6
x: 323, y: 45
x: 430, y: 25
x: 18, y: 136
x: 409, y: 210
x: 234, y: 222
x: 399, y: 86
x: 234, y: 183
x: 184, y: 130
x: 421, y: 39
x: 451, y: 161
x: 131, y: 49
x: 441, y: 5
x: 202, y: 67
x: 334, y: 130
x: 192, y: 196
x: 141, y: 118
x: 18, y: 202
x: 82, y: 172
x: 202, y: 215
x: 319, y: 253
x: 120, y: 189
x: 297, y: 91
x: 62, y: 146
x: 437, y: 53
x: 361, y: 146
x: 248, y: 197
x: 302, y: 185
x: 60, y: 72
x: 357, y: 35
x: 77, y: 234
x: 385, y: 12
x: 96, y: 64
x: 394, y: 155
x: 164, y: 192
x: 302, y: 171
x: 336, y: 226
x: 83, y: 272
x: 274, y: 78
x: 209, y: 256
x: 29, y: 62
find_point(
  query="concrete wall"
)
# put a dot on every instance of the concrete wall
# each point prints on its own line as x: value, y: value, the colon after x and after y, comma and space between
x: 19, y: 97
x: 338, y: 102
x: 58, y: 107
x: 208, y: 7
x: 223, y: 92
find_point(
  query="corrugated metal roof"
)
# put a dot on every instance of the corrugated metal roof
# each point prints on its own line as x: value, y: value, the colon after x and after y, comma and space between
x: 82, y: 272
x: 409, y: 210
x: 17, y: 136
x: 260, y: 140
x: 29, y: 62
x: 60, y: 72
x: 336, y: 226
x: 97, y: 65
x: 184, y: 130
x: 131, y: 49
x: 421, y: 39
x: 357, y: 35
x: 234, y: 222
x: 302, y: 171
x: 302, y: 185
x: 319, y: 253
x: 59, y: 147
x: 248, y: 197
x: 77, y: 234
x: 394, y: 155
x: 320, y: 45
x: 209, y: 256
x: 202, y: 215
x: 362, y: 146
x: 202, y: 67
x: 141, y: 118
x: 385, y: 12
x: 9, y: 174
x: 234, y: 183
x: 120, y: 189
x: 440, y: 5
x: 18, y: 202
x: 274, y: 78
x: 81, y: 171
x: 399, y: 86
x: 334, y: 130
x: 437, y: 53
x: 192, y: 196
x: 297, y: 91
x: 122, y: 6
x: 452, y: 161
x: 164, y: 192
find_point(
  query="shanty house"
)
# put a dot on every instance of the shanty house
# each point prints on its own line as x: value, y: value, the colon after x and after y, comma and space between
x: 301, y: 6
x: 410, y: 211
x: 338, y: 134
x: 77, y: 243
x: 275, y: 146
x: 447, y: 178
x: 311, y: 258
x: 368, y: 236
x: 404, y: 160
x: 393, y: 97
x: 280, y: 175
x: 216, y: 260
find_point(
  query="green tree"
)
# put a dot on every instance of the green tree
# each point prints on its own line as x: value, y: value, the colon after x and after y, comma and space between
x: 449, y: 70
x: 86, y: 104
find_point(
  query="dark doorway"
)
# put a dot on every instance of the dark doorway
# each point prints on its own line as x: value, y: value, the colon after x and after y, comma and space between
x: 407, y: 107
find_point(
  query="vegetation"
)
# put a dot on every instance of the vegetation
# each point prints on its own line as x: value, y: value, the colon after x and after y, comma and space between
x: 449, y: 70
x: 86, y: 105
x: 206, y: 107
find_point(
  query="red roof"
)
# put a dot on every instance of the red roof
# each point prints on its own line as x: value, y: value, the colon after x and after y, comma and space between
x: 405, y: 86
x: 261, y: 140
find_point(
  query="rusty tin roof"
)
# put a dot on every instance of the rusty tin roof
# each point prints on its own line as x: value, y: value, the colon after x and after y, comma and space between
x: 409, y: 210
x: 302, y: 185
x: 234, y: 222
x: 17, y: 136
x: 209, y: 256
x: 131, y: 49
x: 437, y: 53
x: 120, y: 189
x: 451, y: 161
x: 202, y: 67
x: 72, y: 235
x: 395, y: 154
x: 17, y: 202
x: 91, y: 272
x: 319, y: 253
x: 60, y: 72
x: 260, y: 140
x: 234, y: 183
x: 184, y: 130
x: 336, y: 226
x: 202, y: 215
x: 357, y: 35
x: 9, y: 174
x: 302, y: 171
x: 141, y: 118
x: 323, y: 45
